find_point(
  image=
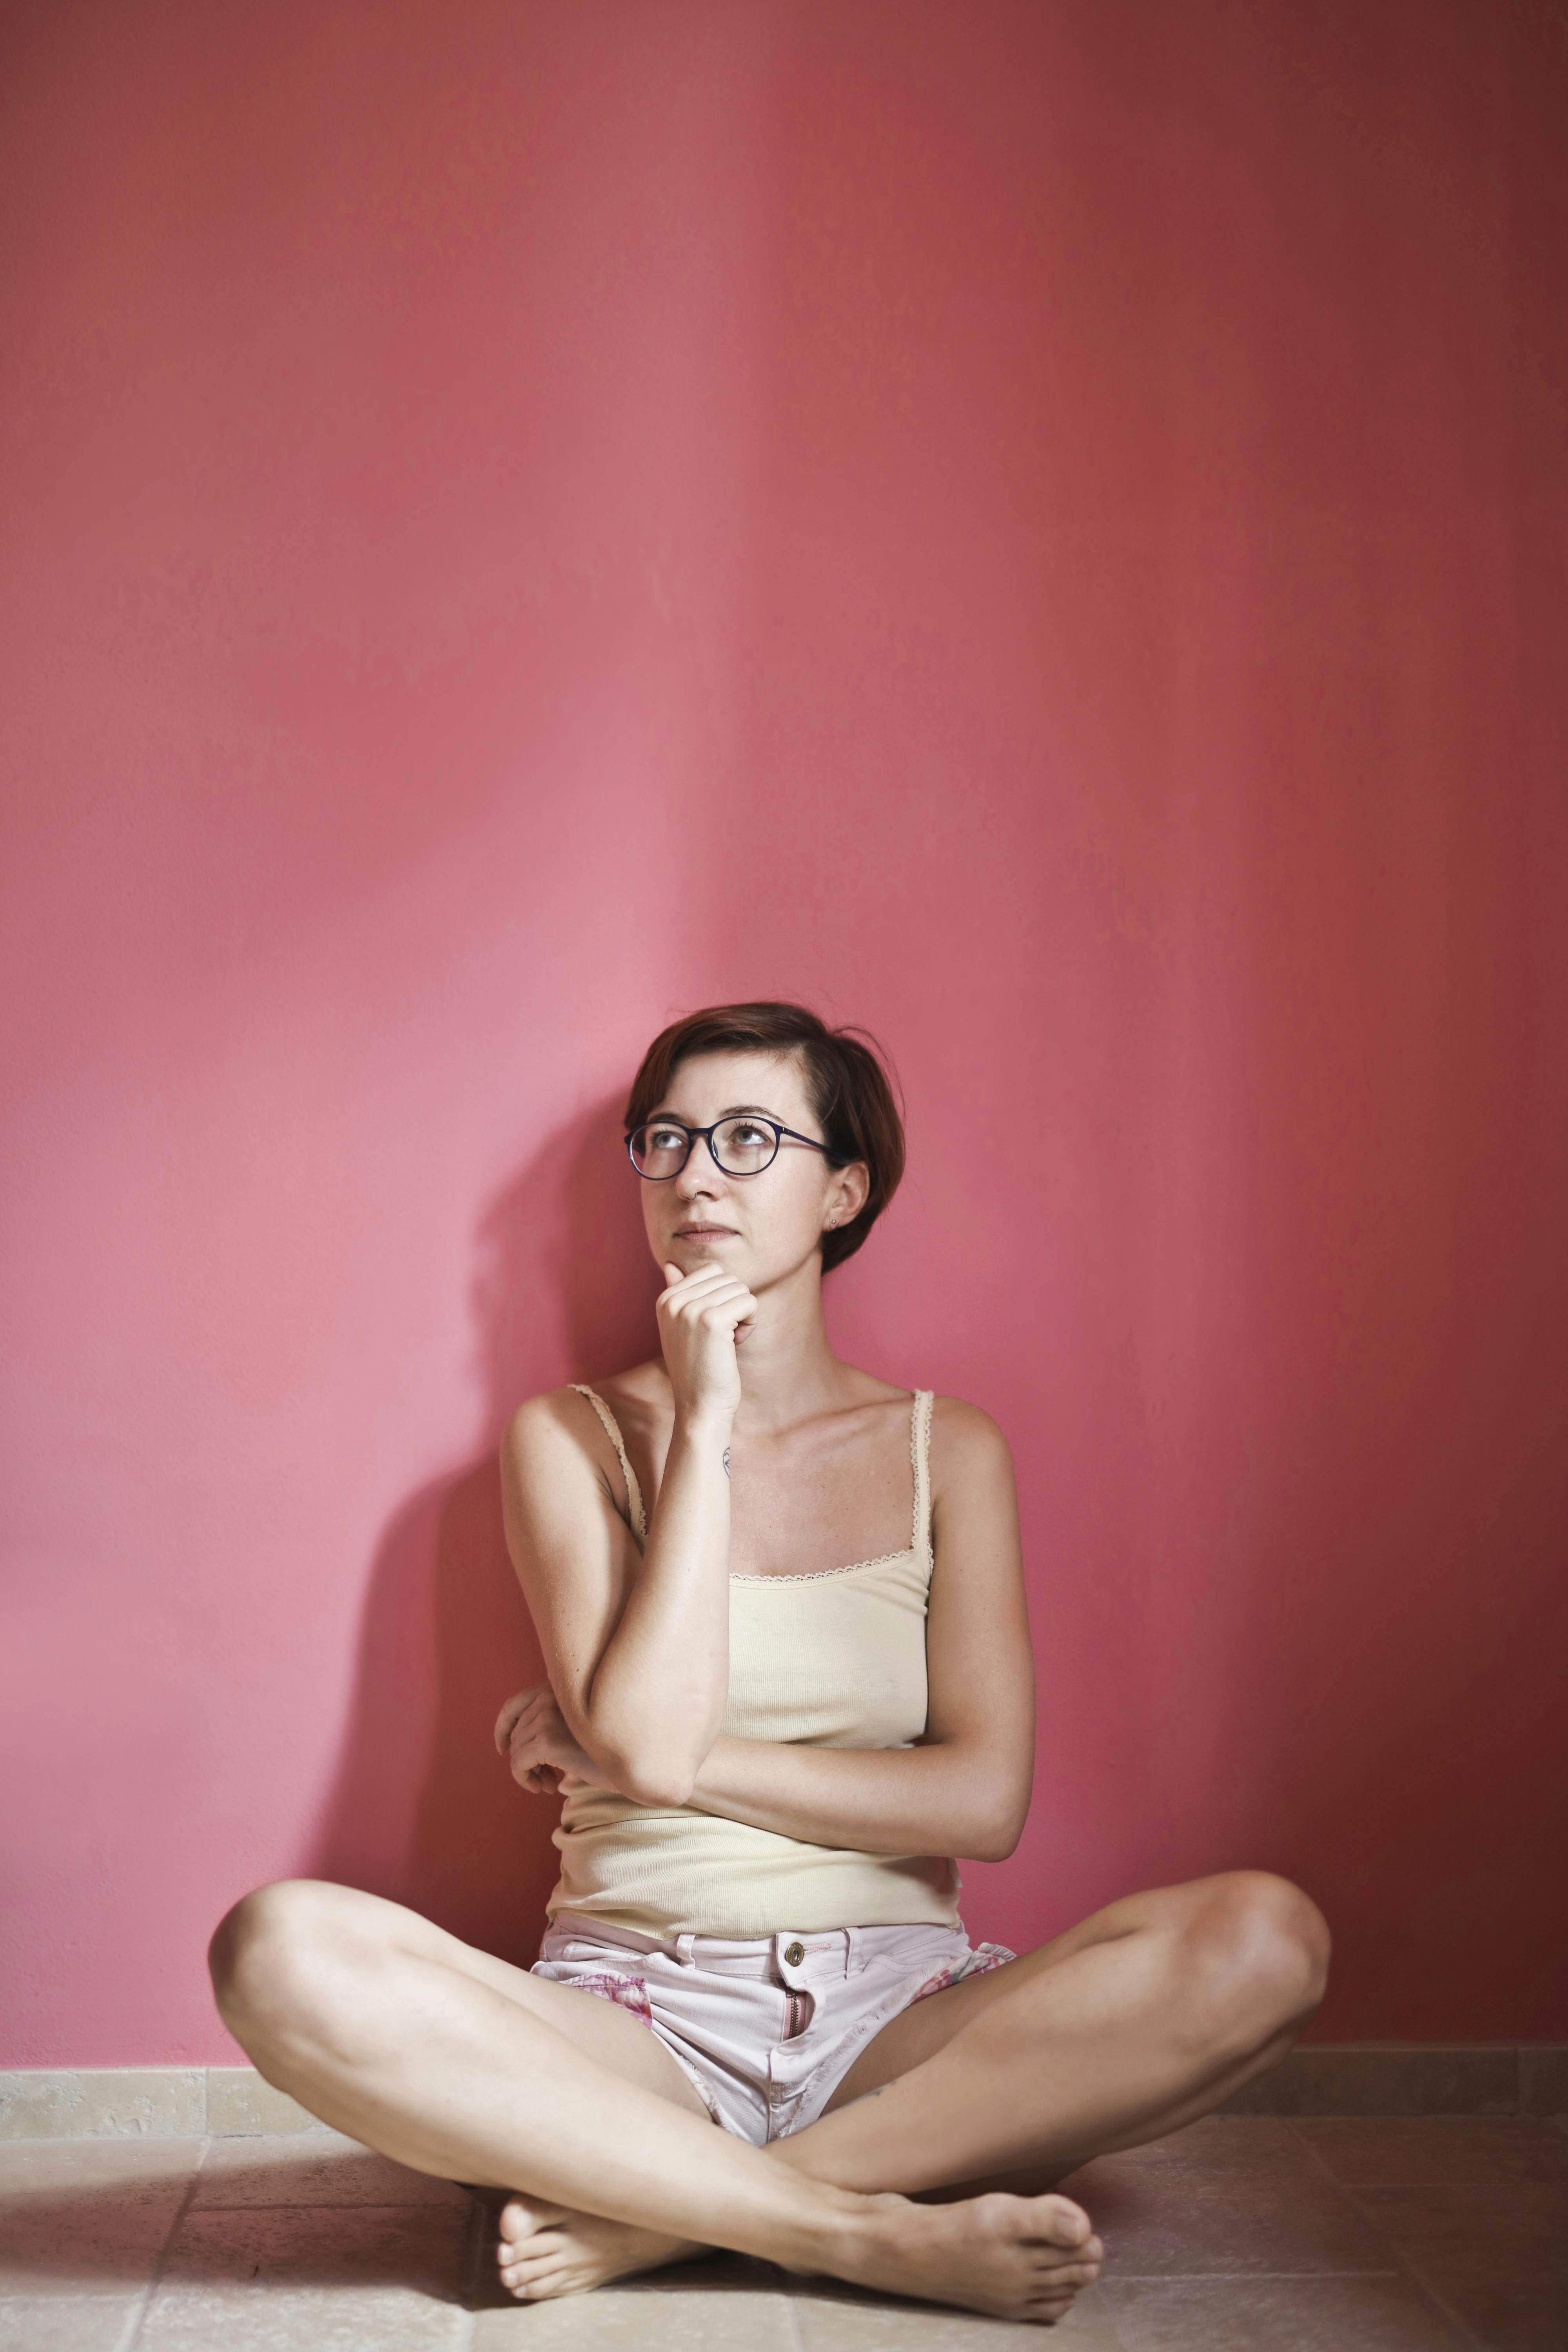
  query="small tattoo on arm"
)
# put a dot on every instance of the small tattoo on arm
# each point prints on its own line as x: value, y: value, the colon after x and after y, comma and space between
x: 726, y: 1462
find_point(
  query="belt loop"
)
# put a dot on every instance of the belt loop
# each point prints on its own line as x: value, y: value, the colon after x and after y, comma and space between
x: 854, y: 1959
x: 683, y: 1949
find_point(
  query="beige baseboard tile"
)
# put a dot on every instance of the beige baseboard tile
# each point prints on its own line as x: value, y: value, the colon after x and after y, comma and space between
x: 1412, y: 2078
x: 146, y: 2103
x: 1543, y: 2078
x: 103, y: 2103
x: 240, y: 2105
x: 1318, y: 2078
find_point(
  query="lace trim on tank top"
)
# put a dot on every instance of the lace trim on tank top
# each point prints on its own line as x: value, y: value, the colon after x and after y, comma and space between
x: 612, y: 1431
x: 920, y: 1458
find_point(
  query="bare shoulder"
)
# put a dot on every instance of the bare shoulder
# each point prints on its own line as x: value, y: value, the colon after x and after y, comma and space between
x: 541, y: 1422
x: 553, y: 1441
x: 560, y: 1430
x: 567, y: 1408
x: 560, y: 1480
x: 965, y: 1441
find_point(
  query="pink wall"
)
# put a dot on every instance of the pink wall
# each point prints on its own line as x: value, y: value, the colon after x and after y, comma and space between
x: 1039, y: 529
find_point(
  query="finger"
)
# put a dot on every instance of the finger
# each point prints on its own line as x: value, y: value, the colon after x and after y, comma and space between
x: 690, y: 1291
x: 703, y: 1271
x: 703, y: 1295
x: 706, y: 1270
x: 525, y: 1733
x: 508, y: 1714
x: 525, y: 1730
x: 723, y: 1313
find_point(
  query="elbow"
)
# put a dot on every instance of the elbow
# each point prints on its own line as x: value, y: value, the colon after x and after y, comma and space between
x: 990, y: 1848
x: 663, y: 1792
x: 996, y: 1833
x: 640, y: 1765
x: 664, y: 1784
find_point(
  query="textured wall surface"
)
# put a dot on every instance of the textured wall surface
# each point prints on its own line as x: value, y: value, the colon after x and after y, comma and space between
x: 1037, y: 529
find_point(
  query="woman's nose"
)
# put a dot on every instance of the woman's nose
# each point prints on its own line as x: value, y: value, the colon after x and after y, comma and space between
x: 701, y: 1172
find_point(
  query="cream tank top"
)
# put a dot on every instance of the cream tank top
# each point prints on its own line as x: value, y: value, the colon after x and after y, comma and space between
x: 836, y: 1659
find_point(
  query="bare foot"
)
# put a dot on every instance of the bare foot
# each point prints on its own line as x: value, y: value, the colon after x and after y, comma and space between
x: 547, y: 2249
x: 1012, y: 2257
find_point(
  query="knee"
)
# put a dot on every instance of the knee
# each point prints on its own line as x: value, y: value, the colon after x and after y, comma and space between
x: 277, y: 1959
x: 1258, y: 1960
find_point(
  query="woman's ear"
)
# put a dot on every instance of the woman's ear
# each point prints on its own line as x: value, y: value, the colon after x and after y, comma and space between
x: 853, y: 1191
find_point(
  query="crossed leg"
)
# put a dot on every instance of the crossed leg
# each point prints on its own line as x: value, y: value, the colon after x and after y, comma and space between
x: 453, y: 2063
x: 459, y: 2065
x: 1144, y: 2017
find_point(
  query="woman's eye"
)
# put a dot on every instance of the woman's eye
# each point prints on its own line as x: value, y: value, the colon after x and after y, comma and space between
x: 748, y: 1134
x: 665, y: 1139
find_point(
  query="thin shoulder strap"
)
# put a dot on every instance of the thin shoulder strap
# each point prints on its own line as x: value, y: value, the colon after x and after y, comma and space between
x: 919, y: 1453
x: 612, y: 1431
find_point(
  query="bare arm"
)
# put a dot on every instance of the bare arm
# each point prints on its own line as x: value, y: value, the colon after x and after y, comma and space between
x: 636, y: 1648
x: 964, y: 1790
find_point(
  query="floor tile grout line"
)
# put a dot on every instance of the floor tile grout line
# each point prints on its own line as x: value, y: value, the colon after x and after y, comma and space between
x: 792, y: 2320
x: 331, y: 2205
x: 471, y: 2318
x: 1407, y: 2267
x: 144, y: 2301
x: 1436, y: 2294
x: 1242, y: 2278
x: 1404, y: 2187
x: 476, y: 2246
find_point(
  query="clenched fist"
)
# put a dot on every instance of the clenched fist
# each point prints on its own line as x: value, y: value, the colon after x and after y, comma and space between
x: 703, y: 1318
x: 532, y: 1733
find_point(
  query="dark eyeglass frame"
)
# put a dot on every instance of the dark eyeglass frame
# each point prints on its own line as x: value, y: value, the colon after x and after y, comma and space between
x: 695, y: 1134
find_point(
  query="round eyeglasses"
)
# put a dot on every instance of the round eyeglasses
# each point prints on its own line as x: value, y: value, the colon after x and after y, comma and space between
x: 741, y: 1145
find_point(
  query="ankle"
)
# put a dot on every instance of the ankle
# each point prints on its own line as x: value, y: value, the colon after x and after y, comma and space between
x: 832, y: 2231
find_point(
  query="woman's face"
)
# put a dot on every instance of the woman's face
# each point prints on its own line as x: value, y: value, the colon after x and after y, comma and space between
x: 760, y: 1228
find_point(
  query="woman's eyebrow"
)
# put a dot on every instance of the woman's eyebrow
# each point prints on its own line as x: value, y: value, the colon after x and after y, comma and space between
x: 735, y: 1110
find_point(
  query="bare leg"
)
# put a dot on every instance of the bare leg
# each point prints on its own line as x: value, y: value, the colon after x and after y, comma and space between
x: 1137, y: 2022
x: 384, y: 2026
x: 1143, y: 2018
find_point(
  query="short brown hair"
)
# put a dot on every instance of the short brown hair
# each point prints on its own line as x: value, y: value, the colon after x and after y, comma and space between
x: 851, y: 1092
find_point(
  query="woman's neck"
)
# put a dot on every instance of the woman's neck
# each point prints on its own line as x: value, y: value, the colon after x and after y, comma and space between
x: 788, y: 1370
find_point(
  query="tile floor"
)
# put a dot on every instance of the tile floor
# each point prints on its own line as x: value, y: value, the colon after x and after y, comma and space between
x: 1245, y: 2233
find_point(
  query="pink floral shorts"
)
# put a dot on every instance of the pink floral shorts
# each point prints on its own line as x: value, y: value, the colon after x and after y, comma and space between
x: 767, y: 2029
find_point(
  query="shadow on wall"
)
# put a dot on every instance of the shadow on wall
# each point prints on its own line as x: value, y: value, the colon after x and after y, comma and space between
x: 422, y: 1808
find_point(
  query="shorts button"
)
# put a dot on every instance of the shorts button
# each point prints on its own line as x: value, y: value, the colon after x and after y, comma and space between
x: 795, y: 1954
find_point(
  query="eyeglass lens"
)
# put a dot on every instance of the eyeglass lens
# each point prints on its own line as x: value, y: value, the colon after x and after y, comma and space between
x: 743, y: 1146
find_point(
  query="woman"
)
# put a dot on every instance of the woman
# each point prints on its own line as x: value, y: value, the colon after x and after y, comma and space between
x: 767, y: 1757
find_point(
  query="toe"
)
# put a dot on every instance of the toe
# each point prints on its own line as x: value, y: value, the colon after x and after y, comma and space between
x: 520, y: 2222
x: 519, y: 2264
x: 547, y: 2247
x: 1070, y: 2280
x: 1060, y: 2222
x: 1056, y: 2265
x: 540, y: 2282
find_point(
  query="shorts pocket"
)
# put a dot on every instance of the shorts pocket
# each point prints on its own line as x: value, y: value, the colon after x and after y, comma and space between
x: 622, y: 1991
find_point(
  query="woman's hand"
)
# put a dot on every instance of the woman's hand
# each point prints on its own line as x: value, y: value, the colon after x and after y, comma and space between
x: 532, y: 1733
x: 703, y: 1318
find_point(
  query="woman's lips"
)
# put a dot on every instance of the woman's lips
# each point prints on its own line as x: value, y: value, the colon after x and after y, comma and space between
x: 701, y: 1232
